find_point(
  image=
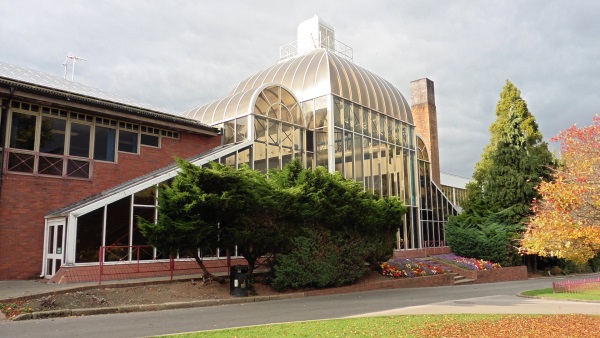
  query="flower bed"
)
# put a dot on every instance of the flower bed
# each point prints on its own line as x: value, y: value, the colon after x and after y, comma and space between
x: 467, y: 263
x: 403, y: 268
x: 481, y: 271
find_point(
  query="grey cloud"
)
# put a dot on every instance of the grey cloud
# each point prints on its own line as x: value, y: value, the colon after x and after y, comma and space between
x: 179, y: 55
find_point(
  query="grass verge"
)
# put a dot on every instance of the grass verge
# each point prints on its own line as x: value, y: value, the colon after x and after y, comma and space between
x: 456, y: 325
x: 589, y: 294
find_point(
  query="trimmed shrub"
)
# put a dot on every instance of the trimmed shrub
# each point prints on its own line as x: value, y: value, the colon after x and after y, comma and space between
x: 483, y: 238
x: 318, y: 260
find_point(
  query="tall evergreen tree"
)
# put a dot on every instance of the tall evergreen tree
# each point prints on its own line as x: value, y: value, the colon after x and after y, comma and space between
x: 513, y: 163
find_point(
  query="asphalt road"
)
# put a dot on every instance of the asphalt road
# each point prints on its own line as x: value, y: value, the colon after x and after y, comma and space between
x: 396, y: 301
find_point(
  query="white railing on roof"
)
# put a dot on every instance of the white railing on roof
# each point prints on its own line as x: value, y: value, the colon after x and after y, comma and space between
x: 290, y: 50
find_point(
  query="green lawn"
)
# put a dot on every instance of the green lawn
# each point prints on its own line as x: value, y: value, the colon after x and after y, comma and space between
x: 590, y: 294
x: 455, y: 325
x: 396, y: 326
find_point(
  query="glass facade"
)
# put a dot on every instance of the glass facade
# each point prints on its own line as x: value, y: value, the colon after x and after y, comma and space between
x: 435, y: 208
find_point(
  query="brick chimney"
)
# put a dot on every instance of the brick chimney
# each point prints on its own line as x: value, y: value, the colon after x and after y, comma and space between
x: 425, y: 119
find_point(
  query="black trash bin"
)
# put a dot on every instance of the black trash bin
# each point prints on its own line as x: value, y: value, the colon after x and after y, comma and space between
x: 238, y: 281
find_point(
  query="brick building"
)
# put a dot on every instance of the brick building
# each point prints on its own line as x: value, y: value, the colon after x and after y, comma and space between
x: 62, y: 142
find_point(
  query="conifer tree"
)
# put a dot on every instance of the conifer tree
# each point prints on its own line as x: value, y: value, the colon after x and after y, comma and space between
x: 514, y: 162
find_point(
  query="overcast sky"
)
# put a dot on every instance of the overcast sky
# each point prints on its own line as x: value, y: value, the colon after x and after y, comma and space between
x: 178, y: 55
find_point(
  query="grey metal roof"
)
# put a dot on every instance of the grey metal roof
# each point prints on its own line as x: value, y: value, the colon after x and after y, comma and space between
x: 43, y: 82
x: 145, y: 181
x: 322, y: 72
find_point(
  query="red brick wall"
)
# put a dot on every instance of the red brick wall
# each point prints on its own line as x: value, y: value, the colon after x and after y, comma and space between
x: 505, y: 274
x: 425, y: 119
x: 420, y: 253
x: 26, y: 199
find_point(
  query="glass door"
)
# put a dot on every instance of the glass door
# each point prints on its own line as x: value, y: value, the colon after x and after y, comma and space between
x: 54, y: 252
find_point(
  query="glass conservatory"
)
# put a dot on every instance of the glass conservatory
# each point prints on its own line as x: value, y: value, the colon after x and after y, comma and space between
x: 315, y: 104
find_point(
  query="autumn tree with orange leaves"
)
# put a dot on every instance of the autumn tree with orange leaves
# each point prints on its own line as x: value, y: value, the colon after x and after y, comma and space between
x: 566, y: 221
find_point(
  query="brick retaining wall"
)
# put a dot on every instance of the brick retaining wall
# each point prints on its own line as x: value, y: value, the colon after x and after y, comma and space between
x: 505, y: 274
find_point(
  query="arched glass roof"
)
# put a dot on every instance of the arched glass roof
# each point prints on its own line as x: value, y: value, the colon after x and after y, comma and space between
x: 268, y: 99
x: 322, y: 72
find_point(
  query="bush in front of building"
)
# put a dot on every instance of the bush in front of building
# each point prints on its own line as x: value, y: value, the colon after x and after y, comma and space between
x: 342, y: 227
x: 486, y: 238
x: 318, y: 259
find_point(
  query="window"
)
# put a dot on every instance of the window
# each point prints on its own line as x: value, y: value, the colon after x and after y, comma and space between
x: 52, y: 137
x: 55, y: 142
x: 150, y: 137
x: 128, y: 141
x: 104, y: 144
x: 80, y: 140
x: 22, y: 131
x: 150, y: 140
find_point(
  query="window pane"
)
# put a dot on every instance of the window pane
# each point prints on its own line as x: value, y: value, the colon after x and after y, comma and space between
x: 348, y: 155
x: 128, y: 141
x: 149, y: 140
x: 260, y: 157
x: 260, y: 125
x: 382, y: 127
x: 228, y: 132
x: 244, y: 157
x: 357, y: 118
x: 89, y: 236
x: 20, y: 162
x: 309, y: 114
x: 338, y: 150
x: 52, y: 138
x: 104, y: 144
x: 144, y: 253
x: 358, y: 158
x: 273, y: 153
x: 375, y: 124
x: 321, y: 112
x: 22, y: 131
x: 322, y: 159
x: 338, y: 111
x: 117, y: 229
x: 79, y: 169
x: 241, y: 129
x: 50, y: 166
x: 80, y: 140
x: 366, y: 121
x: 273, y: 132
x: 145, y: 197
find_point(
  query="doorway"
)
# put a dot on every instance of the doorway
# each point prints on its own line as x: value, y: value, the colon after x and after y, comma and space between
x: 54, y: 248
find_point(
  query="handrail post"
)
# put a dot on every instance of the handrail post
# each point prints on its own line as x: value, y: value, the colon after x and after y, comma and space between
x: 100, y: 265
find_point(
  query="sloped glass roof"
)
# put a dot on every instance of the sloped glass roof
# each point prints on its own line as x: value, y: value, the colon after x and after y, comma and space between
x: 258, y: 100
x: 322, y: 72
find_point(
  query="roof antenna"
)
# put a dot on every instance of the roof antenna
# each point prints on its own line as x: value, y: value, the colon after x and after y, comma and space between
x: 73, y: 58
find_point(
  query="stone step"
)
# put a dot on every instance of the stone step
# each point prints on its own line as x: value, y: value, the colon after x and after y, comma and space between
x: 463, y: 281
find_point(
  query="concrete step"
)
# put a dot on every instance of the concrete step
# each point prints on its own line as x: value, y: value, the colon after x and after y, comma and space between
x: 463, y: 281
